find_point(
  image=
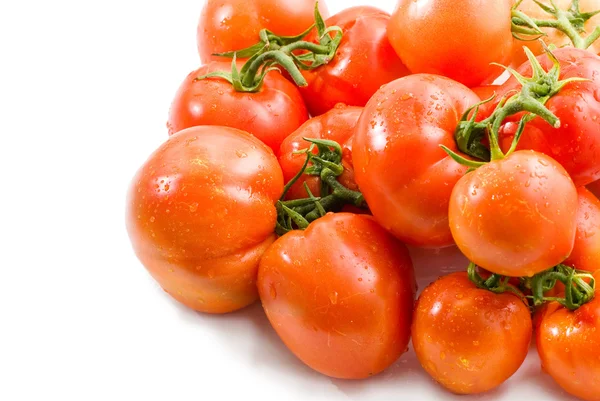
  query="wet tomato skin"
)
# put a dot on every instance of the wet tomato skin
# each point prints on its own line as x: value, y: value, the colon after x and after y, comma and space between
x: 586, y: 252
x: 468, y: 339
x: 506, y: 216
x: 340, y: 295
x: 200, y: 214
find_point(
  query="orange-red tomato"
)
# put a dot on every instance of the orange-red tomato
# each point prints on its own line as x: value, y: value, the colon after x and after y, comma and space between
x: 200, y: 214
x: 271, y: 114
x: 227, y: 25
x: 568, y: 343
x: 364, y: 61
x: 553, y: 36
x: 515, y: 216
x: 337, y: 125
x: 468, y: 339
x: 586, y: 252
x: 399, y: 166
x: 340, y: 295
x: 457, y: 39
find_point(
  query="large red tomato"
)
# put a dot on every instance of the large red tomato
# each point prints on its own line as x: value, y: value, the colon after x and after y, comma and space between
x: 340, y: 295
x: 586, y: 252
x: 227, y: 25
x: 364, y: 61
x: 457, y: 39
x: 516, y: 216
x: 404, y: 175
x: 468, y: 339
x: 576, y: 144
x: 568, y: 343
x: 200, y: 214
x: 337, y: 125
x: 271, y: 114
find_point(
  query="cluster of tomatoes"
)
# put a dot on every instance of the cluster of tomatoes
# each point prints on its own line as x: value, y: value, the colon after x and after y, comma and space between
x: 410, y: 142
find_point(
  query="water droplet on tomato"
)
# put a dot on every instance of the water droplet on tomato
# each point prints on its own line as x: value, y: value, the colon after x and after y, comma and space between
x: 194, y: 207
x: 273, y: 291
x: 333, y: 297
x: 152, y: 219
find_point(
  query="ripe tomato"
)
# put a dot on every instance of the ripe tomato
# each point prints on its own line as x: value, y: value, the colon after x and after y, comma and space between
x: 365, y: 60
x: 468, y: 339
x: 586, y: 252
x: 515, y: 216
x: 227, y: 25
x: 336, y: 125
x: 340, y: 295
x: 399, y: 166
x: 457, y: 39
x: 270, y: 114
x: 200, y: 214
x: 553, y: 36
x: 576, y: 144
x: 568, y: 343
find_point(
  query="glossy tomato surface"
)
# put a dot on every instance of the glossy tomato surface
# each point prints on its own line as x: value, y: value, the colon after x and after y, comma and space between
x: 516, y: 216
x: 568, y: 343
x: 456, y: 39
x: 336, y: 125
x: 271, y: 114
x: 468, y: 339
x: 201, y: 212
x: 399, y: 166
x: 227, y: 25
x: 365, y: 60
x: 340, y: 295
x: 586, y: 252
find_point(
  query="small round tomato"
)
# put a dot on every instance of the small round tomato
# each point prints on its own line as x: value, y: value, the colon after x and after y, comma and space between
x: 227, y: 25
x: 200, y: 214
x: 364, y: 61
x: 271, y: 114
x: 468, y: 339
x: 340, y: 295
x: 553, y: 36
x: 337, y: 125
x: 576, y: 143
x: 515, y: 216
x: 586, y: 252
x: 568, y: 343
x: 404, y: 175
x: 457, y: 39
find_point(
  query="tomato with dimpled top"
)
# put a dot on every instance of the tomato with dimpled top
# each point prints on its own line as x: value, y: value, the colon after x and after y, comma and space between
x: 271, y: 114
x: 337, y: 125
x: 515, y: 216
x: 201, y: 212
x: 340, y: 295
x: 470, y: 340
x: 227, y: 25
x: 364, y: 61
x: 586, y: 252
x: 576, y: 143
x: 568, y: 343
x: 404, y: 175
x: 457, y: 39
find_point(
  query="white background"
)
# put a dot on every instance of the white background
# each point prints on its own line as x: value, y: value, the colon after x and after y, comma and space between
x: 84, y: 93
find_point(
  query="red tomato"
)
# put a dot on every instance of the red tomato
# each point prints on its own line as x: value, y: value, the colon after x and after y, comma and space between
x: 486, y: 91
x: 568, y: 343
x: 457, y: 39
x: 586, y: 252
x: 336, y: 125
x: 227, y: 25
x: 515, y: 216
x: 200, y: 214
x: 399, y: 166
x: 340, y: 295
x: 270, y: 114
x: 576, y: 144
x: 365, y: 60
x: 468, y: 339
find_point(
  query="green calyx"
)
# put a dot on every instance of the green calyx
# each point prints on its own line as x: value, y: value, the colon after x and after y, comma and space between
x: 578, y: 291
x: 531, y: 99
x: 272, y: 52
x: 326, y: 164
x: 571, y: 22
